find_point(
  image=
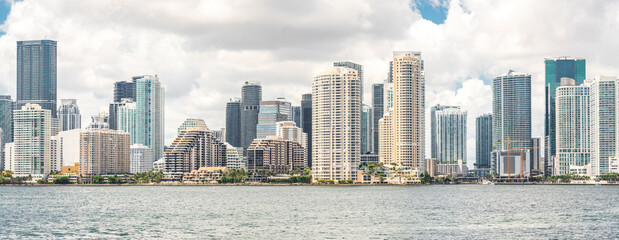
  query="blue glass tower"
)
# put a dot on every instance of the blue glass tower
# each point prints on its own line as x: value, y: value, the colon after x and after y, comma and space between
x: 37, y: 74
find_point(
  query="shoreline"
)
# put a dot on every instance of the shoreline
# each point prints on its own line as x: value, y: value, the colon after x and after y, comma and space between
x: 295, y: 185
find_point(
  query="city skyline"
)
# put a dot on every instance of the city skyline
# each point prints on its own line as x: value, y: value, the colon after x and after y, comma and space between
x: 215, y: 74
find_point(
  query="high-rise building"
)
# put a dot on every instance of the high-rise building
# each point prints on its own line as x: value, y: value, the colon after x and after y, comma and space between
x: 336, y: 124
x: 191, y: 149
x: 192, y: 123
x: 288, y: 130
x: 233, y: 122
x: 251, y: 96
x: 37, y: 74
x: 69, y: 115
x: 306, y: 123
x: 537, y: 162
x: 150, y: 114
x: 355, y: 66
x: 448, y: 134
x: 296, y: 115
x: 603, y: 115
x: 124, y: 90
x: 483, y: 141
x: 6, y: 118
x: 32, y: 131
x: 557, y: 68
x: 366, y: 129
x: 113, y: 112
x: 99, y: 121
x: 65, y: 149
x: 125, y: 118
x: 511, y: 110
x: 378, y: 108
x: 141, y: 159
x: 104, y: 152
x: 234, y: 157
x: 270, y: 113
x: 573, y: 128
x: 275, y: 154
x: 9, y: 156
x: 406, y: 115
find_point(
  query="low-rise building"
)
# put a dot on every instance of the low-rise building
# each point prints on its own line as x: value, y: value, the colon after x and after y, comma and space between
x: 205, y: 175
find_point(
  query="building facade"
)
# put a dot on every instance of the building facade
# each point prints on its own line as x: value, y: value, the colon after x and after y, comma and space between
x: 99, y: 121
x: 296, y: 115
x: 191, y: 149
x: 104, y: 152
x: 6, y: 118
x: 141, y: 158
x: 9, y: 156
x: 448, y: 124
x: 306, y: 123
x: 603, y: 115
x: 336, y: 124
x: 150, y: 114
x: 251, y: 96
x: 234, y: 157
x: 124, y: 90
x: 367, y: 136
x: 65, y: 149
x: 190, y: 123
x: 233, y: 122
x: 69, y: 115
x: 270, y: 113
x: 275, y: 154
x: 378, y: 112
x: 483, y: 141
x: 511, y: 110
x: 37, y: 74
x: 32, y: 131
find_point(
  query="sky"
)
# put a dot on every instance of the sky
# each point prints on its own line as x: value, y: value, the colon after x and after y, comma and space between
x: 203, y: 51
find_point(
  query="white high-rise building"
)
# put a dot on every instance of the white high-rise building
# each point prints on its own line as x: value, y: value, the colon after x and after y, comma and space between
x: 9, y: 156
x: 573, y: 128
x: 69, y: 115
x: 407, y: 114
x: 603, y: 107
x: 149, y: 114
x: 32, y: 128
x: 141, y: 159
x: 65, y: 147
x: 448, y: 134
x: 336, y: 124
x: 288, y: 130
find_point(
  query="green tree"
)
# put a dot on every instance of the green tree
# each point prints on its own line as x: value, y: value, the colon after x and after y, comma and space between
x: 426, y: 178
x: 98, y: 179
x: 62, y: 180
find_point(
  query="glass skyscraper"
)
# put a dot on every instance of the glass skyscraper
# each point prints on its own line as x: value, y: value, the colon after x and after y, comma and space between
x: 150, y: 114
x: 69, y: 115
x: 448, y: 134
x: 377, y: 107
x: 296, y: 115
x: 366, y: 129
x: 306, y: 123
x: 511, y: 110
x: 270, y: 113
x: 483, y: 140
x: 251, y: 95
x: 557, y: 68
x: 37, y: 74
x: 233, y: 122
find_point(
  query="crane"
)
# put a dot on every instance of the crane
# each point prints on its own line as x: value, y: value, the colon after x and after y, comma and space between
x: 522, y: 149
x: 509, y: 149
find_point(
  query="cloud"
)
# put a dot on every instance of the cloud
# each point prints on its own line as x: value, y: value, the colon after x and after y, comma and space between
x: 204, y: 50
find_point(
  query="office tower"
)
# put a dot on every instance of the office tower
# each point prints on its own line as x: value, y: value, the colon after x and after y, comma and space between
x: 366, y: 129
x: 190, y: 123
x: 336, y: 124
x: 511, y: 110
x: 537, y: 163
x: 296, y: 115
x: 32, y: 131
x: 233, y: 122
x: 104, y: 152
x: 275, y: 154
x: 149, y: 114
x: 448, y: 134
x: 141, y: 158
x: 99, y: 121
x: 603, y: 115
x: 234, y: 157
x: 288, y: 130
x: 483, y: 141
x: 65, y: 149
x: 270, y: 113
x: 251, y: 95
x: 555, y: 69
x: 306, y: 123
x: 124, y: 90
x: 406, y: 115
x: 355, y: 66
x: 36, y: 74
x: 378, y: 108
x: 113, y: 112
x: 191, y: 149
x: 69, y: 115
x: 9, y: 156
x: 6, y: 118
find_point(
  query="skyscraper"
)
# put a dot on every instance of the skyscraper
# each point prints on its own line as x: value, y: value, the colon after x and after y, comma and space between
x: 557, y: 68
x: 306, y: 123
x: 483, y: 140
x: 69, y: 115
x: 378, y: 108
x: 270, y: 113
x: 150, y: 114
x: 448, y: 134
x: 366, y: 129
x: 407, y: 116
x: 6, y: 118
x: 355, y: 66
x: 99, y: 121
x: 603, y: 115
x: 434, y: 129
x: 37, y: 74
x: 113, y: 112
x: 573, y: 127
x: 296, y: 115
x: 251, y: 95
x: 124, y: 89
x: 233, y: 122
x: 32, y: 141
x: 511, y: 110
x: 104, y: 152
x: 336, y: 124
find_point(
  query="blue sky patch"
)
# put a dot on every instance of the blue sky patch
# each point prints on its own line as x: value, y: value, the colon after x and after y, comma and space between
x: 436, y: 14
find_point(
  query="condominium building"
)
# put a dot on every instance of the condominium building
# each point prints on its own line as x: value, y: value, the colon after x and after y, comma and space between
x: 141, y: 158
x: 191, y: 149
x: 69, y: 115
x: 573, y: 127
x: 355, y: 66
x: 149, y: 114
x: 192, y: 123
x: 104, y: 152
x: 288, y: 130
x: 385, y: 139
x: 37, y: 74
x: 511, y: 110
x: 233, y: 122
x: 336, y: 124
x: 275, y: 154
x: 483, y: 141
x: 448, y: 124
x: 251, y: 95
x: 270, y: 113
x: 407, y: 115
x: 113, y: 112
x: 234, y: 157
x: 65, y: 148
x: 603, y: 115
x: 32, y: 129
